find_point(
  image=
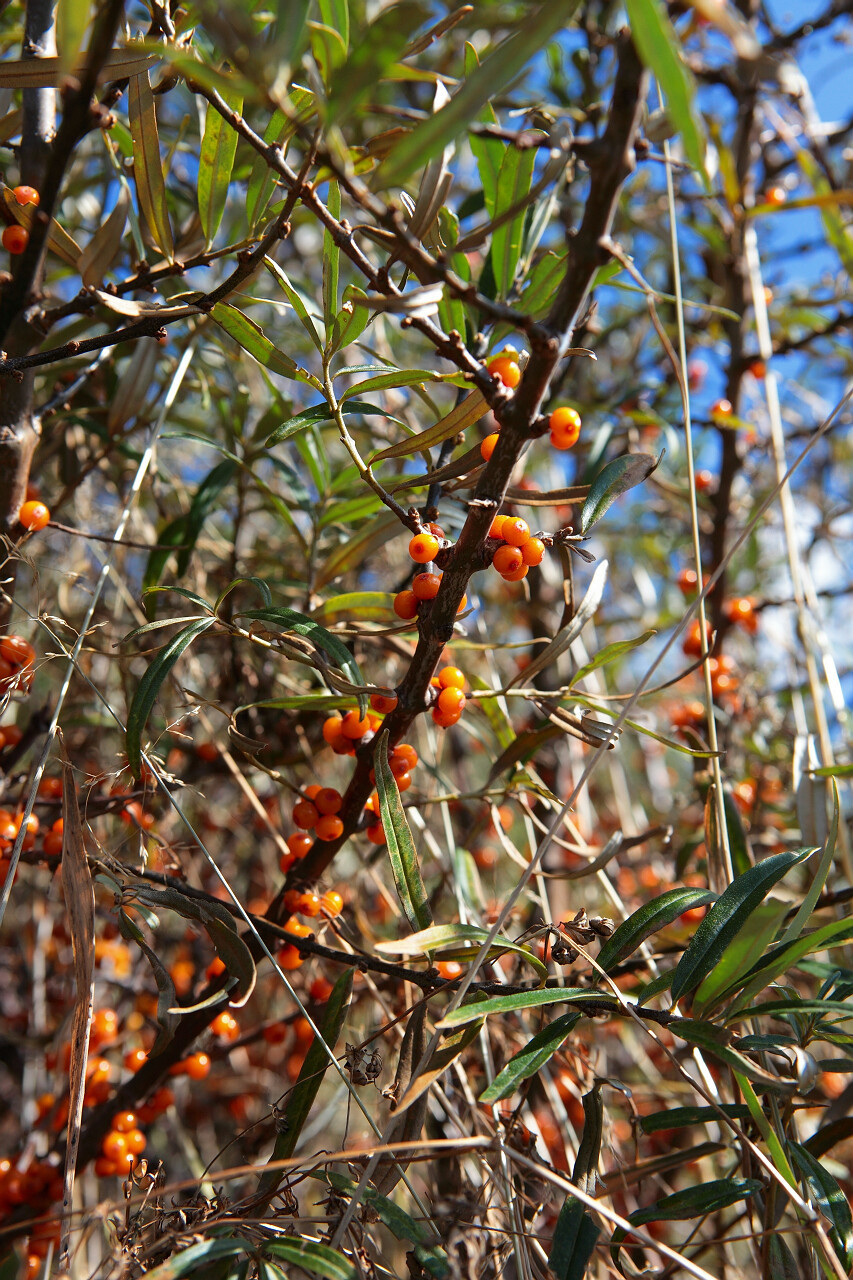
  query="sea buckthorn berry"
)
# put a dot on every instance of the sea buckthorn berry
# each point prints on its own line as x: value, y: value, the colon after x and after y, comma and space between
x: 397, y: 765
x: 291, y: 899
x: 775, y: 196
x: 533, y: 551
x: 450, y: 700
x: 15, y: 238
x: 462, y: 603
x: 225, y: 1025
x: 305, y: 814
x: 313, y: 791
x: 371, y: 805
x: 328, y: 800
x: 424, y: 547
x: 320, y: 990
x: 565, y: 426
x: 215, y: 968
x: 383, y: 703
x: 353, y: 727
x: 332, y: 729
x: 758, y: 369
x: 134, y: 1059
x: 506, y: 369
x: 516, y: 531
x: 687, y: 714
x: 276, y: 1033
x: 332, y: 902
x: 721, y: 409
x: 104, y: 1027
x: 197, y: 1066
x: 403, y: 780
x: 136, y: 1142
x: 497, y: 528
x: 297, y: 927
x: 702, y: 481
x: 436, y: 529
x: 507, y: 559
x: 309, y: 904
x: 693, y: 645
x: 406, y: 605
x: 330, y: 827
x: 425, y: 585
x: 451, y: 678
x: 724, y: 683
x: 742, y: 612
x: 487, y: 446
x: 26, y: 195
x: 407, y: 752
x: 17, y: 651
x: 114, y: 1146
x: 376, y: 833
x: 289, y: 959
x: 517, y: 574
x: 124, y: 1121
x: 687, y: 581
x: 299, y: 844
x: 105, y: 1168
x: 449, y: 969
x: 444, y: 719
x: 34, y: 516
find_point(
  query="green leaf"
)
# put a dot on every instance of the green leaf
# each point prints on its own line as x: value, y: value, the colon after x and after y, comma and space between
x: 353, y: 553
x: 309, y: 1255
x: 381, y: 45
x: 527, y: 1000
x: 150, y: 684
x: 147, y: 167
x: 741, y: 953
x: 782, y: 958
x: 487, y: 151
x: 827, y: 855
x: 322, y: 413
x: 331, y: 261
x: 837, y: 1010
x: 373, y: 606
x: 302, y: 625
x: 726, y: 918
x: 574, y: 1241
x: 610, y: 653
x: 280, y: 130
x: 253, y: 339
x: 513, y: 185
x: 500, y: 68
x: 395, y: 1219
x: 782, y: 1265
x: 398, y: 837
x: 393, y: 378
x: 658, y: 46
x: 765, y: 1128
x: 335, y: 15
x: 184, y: 531
x: 103, y: 249
x: 651, y: 917
x: 301, y: 1097
x: 462, y: 415
x: 296, y: 301
x: 616, y: 478
x: 199, y: 1256
x: 714, y: 1041
x: 461, y: 941
x: 216, y: 161
x: 528, y: 1060
x: 830, y: 1199
x: 696, y: 1202
x: 679, y: 1117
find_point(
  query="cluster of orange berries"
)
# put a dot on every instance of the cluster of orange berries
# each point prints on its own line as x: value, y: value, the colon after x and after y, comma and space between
x: 319, y: 810
x: 121, y: 1146
x: 15, y: 238
x: 520, y: 549
x: 37, y: 1187
x: 564, y: 425
x: 401, y: 761
x: 450, y: 683
x: 342, y: 732
x: 424, y: 587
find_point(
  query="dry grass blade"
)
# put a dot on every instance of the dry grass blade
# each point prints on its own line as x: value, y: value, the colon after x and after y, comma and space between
x: 147, y: 167
x: 80, y: 905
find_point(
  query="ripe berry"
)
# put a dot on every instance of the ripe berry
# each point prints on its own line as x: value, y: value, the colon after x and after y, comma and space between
x: 487, y: 446
x: 687, y: 581
x: 702, y: 481
x: 332, y: 729
x: 332, y: 903
x: 686, y: 714
x: 309, y: 904
x: 353, y: 726
x: 15, y: 238
x: 516, y: 531
x: 565, y: 426
x: 444, y: 719
x: 320, y: 989
x: 134, y: 1059
x: 508, y: 559
x: 496, y: 531
x: 34, y: 516
x: 17, y: 651
x: 721, y: 409
x: 775, y: 196
x: 758, y: 369
x: 424, y: 547
x: 517, y: 574
x: 305, y: 814
x: 124, y: 1121
x: 197, y: 1066
x: 376, y: 833
x: 406, y: 605
x: 328, y: 800
x: 26, y: 195
x: 425, y: 585
x: 226, y: 1026
x: 384, y: 703
x: 292, y: 925
x: 742, y: 613
x: 451, y: 678
x: 449, y: 969
x: 405, y: 751
x: 506, y: 369
x: 289, y: 958
x: 450, y: 700
x: 299, y: 843
x: 533, y: 551
x: 329, y: 827
x: 693, y: 645
x: 114, y: 1146
x: 404, y: 781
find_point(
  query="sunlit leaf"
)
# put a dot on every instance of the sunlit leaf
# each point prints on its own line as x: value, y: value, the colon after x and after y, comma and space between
x: 398, y: 838
x: 147, y: 165
x: 216, y: 161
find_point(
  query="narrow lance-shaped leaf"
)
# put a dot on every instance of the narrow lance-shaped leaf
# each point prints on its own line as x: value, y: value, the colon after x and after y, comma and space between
x: 380, y: 46
x: 725, y: 919
x: 301, y: 624
x: 455, y: 941
x: 398, y: 837
x: 150, y: 684
x: 253, y: 339
x: 830, y: 1199
x: 198, y: 1258
x: 527, y: 1000
x: 575, y: 1234
x: 101, y: 251
x: 147, y: 166
x: 651, y: 917
x: 216, y: 161
x: 570, y: 631
x: 513, y: 185
x: 616, y: 478
x: 528, y: 1060
x: 462, y: 415
x: 331, y: 261
x: 167, y: 996
x: 315, y: 1258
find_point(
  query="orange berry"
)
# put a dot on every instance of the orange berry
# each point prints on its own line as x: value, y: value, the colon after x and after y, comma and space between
x: 702, y: 481
x: 332, y: 903
x: 506, y: 369
x: 276, y: 1033
x: 516, y: 531
x: 320, y: 989
x: 197, y: 1066
x: 451, y: 678
x: 517, y: 574
x: 124, y: 1121
x: 721, y: 409
x: 425, y: 585
x: 161, y: 1100
x: 305, y: 814
x: 34, y: 516
x: 423, y: 547
x: 687, y: 581
x: 487, y: 446
x: 17, y: 651
x: 332, y: 729
x: 384, y: 703
x: 449, y: 969
x: 451, y: 700
x: 330, y: 827
x: 533, y: 551
x: 136, y: 1142
x: 313, y: 791
x: 309, y: 904
x: 226, y: 1026
x: 404, y: 781
x: 328, y: 800
x: 462, y: 604
x: 407, y: 752
x: 114, y: 1146
x: 376, y: 833
x: 15, y: 238
x: 687, y: 714
x: 693, y: 645
x: 134, y: 1059
x: 105, y: 1168
x: 758, y: 369
x: 289, y: 958
x: 508, y: 559
x: 775, y: 196
x: 299, y: 844
x: 215, y: 968
x: 371, y: 805
x: 353, y: 726
x: 497, y: 527
x: 207, y: 751
x: 444, y: 719
x: 565, y: 426
x: 26, y: 195
x: 406, y: 605
x: 297, y: 927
